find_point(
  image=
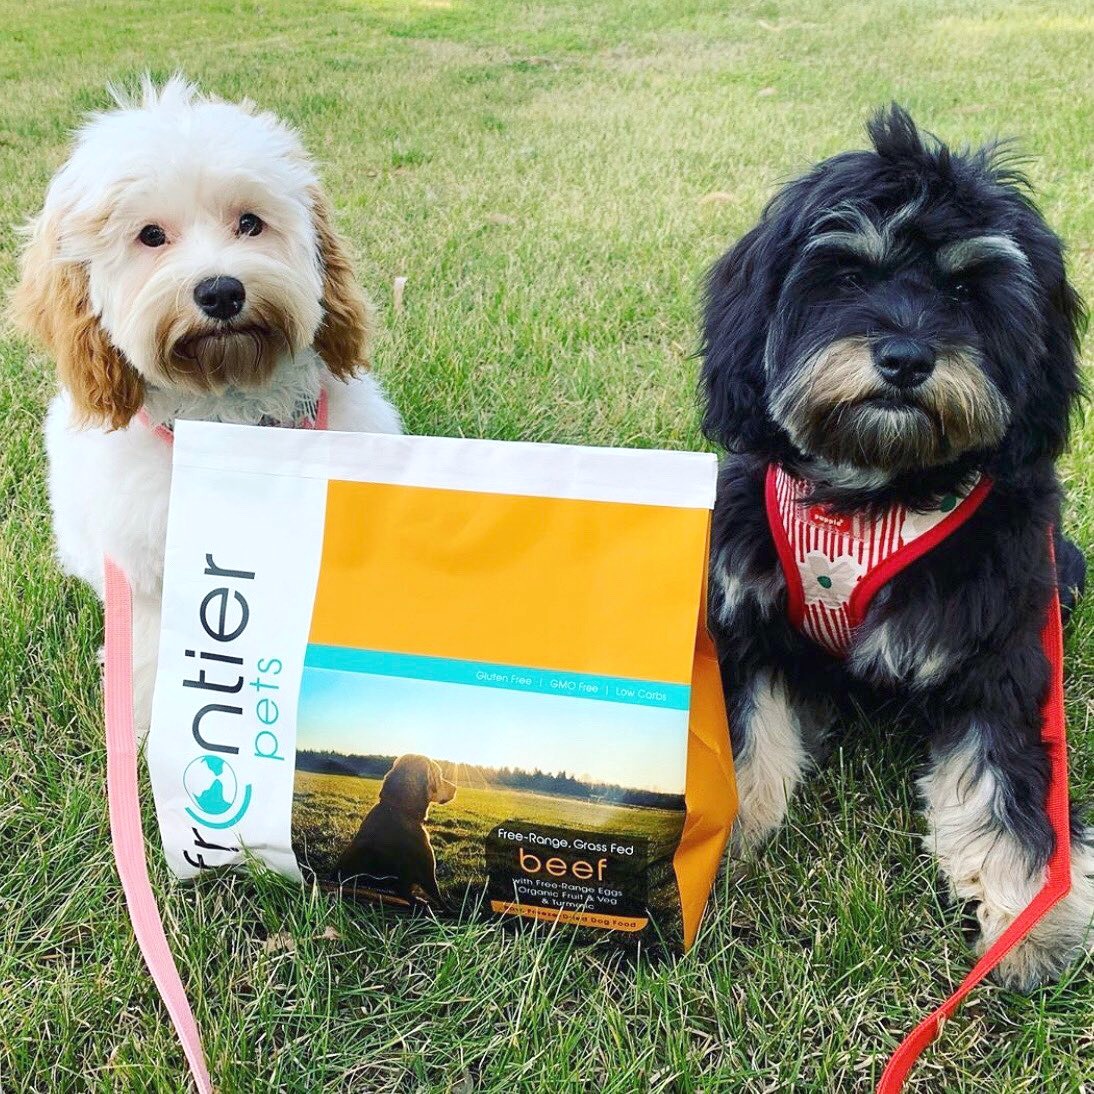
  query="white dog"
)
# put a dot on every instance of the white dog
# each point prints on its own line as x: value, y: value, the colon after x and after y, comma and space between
x: 184, y: 265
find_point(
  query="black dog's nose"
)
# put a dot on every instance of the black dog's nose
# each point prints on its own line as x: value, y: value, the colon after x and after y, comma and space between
x: 220, y: 297
x: 904, y: 362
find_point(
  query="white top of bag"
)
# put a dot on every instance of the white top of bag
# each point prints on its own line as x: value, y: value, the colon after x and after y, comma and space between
x: 637, y: 476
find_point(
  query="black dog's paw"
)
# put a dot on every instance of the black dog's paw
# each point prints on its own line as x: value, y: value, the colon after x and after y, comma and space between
x: 1036, y: 960
x: 1061, y: 938
x: 1070, y: 574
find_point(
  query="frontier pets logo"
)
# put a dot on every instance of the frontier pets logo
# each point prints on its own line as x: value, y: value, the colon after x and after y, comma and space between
x: 211, y: 783
x: 225, y: 715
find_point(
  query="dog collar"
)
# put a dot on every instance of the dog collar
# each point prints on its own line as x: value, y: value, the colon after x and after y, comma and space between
x: 834, y: 563
x: 311, y: 414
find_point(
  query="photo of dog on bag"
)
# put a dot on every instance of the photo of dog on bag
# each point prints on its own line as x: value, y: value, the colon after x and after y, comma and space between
x: 392, y: 848
x: 421, y: 794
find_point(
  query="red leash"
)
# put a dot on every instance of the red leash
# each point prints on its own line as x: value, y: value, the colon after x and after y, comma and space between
x: 886, y: 552
x: 1057, y: 881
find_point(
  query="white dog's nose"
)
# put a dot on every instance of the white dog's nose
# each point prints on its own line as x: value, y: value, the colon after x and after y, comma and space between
x: 220, y: 297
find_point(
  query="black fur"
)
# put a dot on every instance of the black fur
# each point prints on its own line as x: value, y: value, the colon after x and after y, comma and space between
x: 978, y: 600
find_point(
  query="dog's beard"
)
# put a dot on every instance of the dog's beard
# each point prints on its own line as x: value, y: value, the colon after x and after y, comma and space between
x: 211, y: 356
x: 837, y: 407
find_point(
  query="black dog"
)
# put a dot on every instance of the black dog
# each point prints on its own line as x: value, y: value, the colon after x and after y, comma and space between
x: 897, y: 335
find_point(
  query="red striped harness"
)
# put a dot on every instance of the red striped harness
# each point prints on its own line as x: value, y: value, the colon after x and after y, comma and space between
x: 835, y: 563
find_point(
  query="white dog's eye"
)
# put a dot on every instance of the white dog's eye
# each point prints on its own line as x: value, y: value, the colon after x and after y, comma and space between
x: 250, y: 225
x: 152, y: 235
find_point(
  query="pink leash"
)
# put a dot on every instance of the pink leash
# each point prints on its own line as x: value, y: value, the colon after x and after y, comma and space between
x: 125, y: 820
x: 121, y: 788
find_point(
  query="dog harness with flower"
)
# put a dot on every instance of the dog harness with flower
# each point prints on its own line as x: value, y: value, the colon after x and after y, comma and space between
x: 834, y: 563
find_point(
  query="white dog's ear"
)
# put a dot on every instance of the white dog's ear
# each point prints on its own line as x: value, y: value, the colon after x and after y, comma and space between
x: 346, y: 329
x: 52, y: 303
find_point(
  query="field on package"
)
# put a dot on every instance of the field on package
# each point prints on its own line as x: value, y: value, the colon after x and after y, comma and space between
x: 552, y: 177
x: 328, y: 809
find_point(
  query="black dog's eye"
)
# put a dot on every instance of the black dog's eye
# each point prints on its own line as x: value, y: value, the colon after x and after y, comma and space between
x: 250, y: 225
x: 152, y: 235
x: 960, y: 290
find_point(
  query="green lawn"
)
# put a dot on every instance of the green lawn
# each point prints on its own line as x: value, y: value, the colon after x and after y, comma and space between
x: 552, y: 179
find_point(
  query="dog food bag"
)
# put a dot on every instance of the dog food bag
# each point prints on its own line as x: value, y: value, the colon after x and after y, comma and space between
x: 419, y: 669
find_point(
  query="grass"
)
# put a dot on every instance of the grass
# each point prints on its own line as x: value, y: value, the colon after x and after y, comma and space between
x: 551, y: 179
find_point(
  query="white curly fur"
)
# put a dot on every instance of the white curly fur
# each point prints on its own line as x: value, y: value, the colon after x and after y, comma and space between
x: 173, y: 157
x: 986, y: 863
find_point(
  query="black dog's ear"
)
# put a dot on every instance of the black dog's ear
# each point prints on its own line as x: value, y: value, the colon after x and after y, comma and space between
x: 1041, y: 428
x: 741, y: 292
x: 1051, y: 411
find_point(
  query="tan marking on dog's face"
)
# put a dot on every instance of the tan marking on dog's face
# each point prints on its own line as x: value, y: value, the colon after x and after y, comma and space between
x: 837, y: 406
x: 203, y: 355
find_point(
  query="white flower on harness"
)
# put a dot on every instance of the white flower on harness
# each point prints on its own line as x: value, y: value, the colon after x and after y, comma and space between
x: 915, y: 524
x: 829, y: 580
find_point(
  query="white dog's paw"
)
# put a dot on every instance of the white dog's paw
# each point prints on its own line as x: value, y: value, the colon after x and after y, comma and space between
x: 751, y: 830
x: 1064, y: 935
